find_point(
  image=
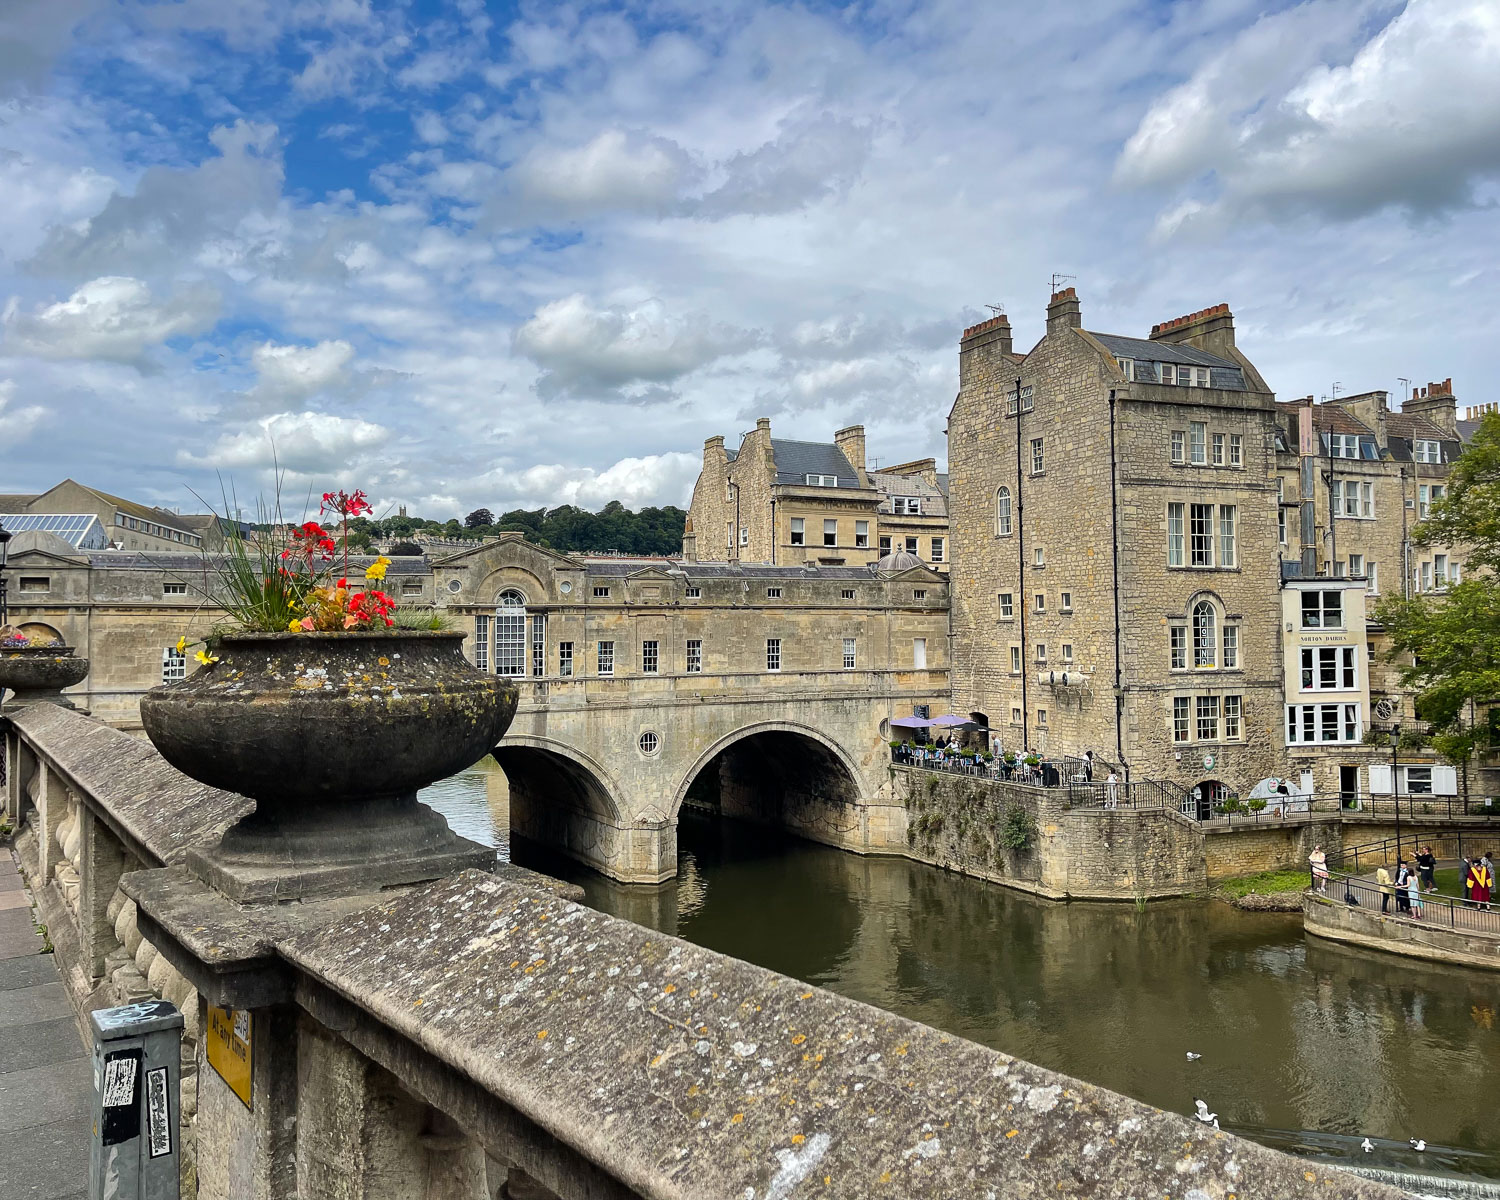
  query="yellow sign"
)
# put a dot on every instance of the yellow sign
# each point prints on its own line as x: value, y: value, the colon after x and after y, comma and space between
x: 229, y: 1048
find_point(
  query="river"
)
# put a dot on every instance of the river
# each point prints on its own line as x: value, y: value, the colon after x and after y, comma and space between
x: 1306, y: 1045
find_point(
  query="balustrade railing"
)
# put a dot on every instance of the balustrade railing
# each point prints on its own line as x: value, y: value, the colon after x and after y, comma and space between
x: 1428, y: 908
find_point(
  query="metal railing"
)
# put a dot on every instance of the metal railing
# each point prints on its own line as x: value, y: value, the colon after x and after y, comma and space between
x: 1429, y: 908
x: 1046, y: 772
x: 1137, y: 793
x: 1454, y: 846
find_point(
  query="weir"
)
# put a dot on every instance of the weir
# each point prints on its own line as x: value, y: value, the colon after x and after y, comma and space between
x: 427, y: 1040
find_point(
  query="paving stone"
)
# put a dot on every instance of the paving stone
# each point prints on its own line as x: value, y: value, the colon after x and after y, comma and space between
x: 49, y: 1163
x: 38, y: 1044
x: 27, y: 1005
x: 18, y: 934
x: 27, y: 970
x: 60, y: 1091
x: 14, y: 899
x: 10, y: 878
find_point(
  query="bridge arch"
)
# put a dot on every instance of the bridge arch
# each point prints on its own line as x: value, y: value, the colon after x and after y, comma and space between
x: 575, y: 779
x: 780, y: 773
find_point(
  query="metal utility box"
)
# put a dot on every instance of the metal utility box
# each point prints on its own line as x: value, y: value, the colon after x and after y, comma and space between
x: 137, y: 1062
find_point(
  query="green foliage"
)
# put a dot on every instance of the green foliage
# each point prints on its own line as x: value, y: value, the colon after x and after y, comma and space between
x: 1256, y: 806
x: 1265, y: 883
x: 1470, y: 514
x: 1018, y: 828
x: 405, y: 549
x: 416, y: 617
x: 1455, y: 638
x: 480, y: 516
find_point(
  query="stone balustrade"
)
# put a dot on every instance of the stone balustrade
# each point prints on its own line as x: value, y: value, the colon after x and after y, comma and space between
x: 484, y: 1031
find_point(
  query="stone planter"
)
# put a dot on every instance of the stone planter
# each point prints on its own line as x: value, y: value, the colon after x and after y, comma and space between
x: 32, y: 673
x: 331, y: 734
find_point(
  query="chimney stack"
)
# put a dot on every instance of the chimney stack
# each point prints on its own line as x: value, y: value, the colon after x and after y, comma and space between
x: 1063, y: 312
x: 1210, y: 329
x: 1437, y: 404
x: 852, y: 442
x: 985, y: 344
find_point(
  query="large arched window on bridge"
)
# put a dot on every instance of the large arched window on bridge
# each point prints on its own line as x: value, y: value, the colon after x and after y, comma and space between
x: 510, y: 634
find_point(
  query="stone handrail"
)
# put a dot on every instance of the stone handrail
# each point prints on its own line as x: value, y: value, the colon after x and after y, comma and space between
x: 425, y: 1034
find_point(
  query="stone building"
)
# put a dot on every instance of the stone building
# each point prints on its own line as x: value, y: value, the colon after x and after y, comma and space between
x: 131, y: 526
x: 1113, y: 511
x: 786, y: 503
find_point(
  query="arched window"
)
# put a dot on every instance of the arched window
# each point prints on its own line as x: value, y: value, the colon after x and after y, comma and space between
x: 1002, y: 512
x: 1205, y: 641
x: 510, y: 634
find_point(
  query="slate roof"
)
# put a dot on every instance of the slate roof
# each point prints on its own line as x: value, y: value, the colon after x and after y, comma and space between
x: 934, y: 500
x: 698, y: 570
x: 15, y: 502
x: 1331, y: 418
x: 139, y: 560
x: 795, y: 461
x: 1149, y: 351
x: 1466, y: 430
x: 1414, y: 425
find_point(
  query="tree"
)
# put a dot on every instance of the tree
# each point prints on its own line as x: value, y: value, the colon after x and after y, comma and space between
x: 1453, y: 637
x: 405, y: 549
x: 480, y: 516
x: 1470, y: 514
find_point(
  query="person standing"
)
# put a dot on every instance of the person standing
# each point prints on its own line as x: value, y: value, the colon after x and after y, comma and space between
x: 1319, y: 863
x: 1403, y: 881
x: 1463, y: 875
x: 1427, y: 868
x: 1112, y: 790
x: 1414, y: 895
x: 1383, y: 881
x: 1481, y: 881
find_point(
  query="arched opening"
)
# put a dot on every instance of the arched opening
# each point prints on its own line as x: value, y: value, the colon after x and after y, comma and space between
x: 1205, y: 639
x: 781, y: 778
x: 560, y: 802
x: 1002, y: 512
x: 510, y: 634
x: 1206, y: 796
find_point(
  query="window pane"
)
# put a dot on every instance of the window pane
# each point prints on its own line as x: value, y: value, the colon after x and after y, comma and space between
x: 1204, y: 636
x: 1174, y: 535
x: 1227, y: 550
x: 1201, y: 532
x: 510, y: 635
x: 1198, y: 442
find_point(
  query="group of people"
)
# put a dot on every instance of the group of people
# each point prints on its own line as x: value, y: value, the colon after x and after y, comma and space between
x: 1413, y: 879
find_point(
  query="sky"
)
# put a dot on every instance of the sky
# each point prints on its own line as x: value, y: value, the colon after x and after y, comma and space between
x: 463, y: 253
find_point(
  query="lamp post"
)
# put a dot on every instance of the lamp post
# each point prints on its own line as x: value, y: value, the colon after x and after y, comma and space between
x: 1395, y: 787
x: 4, y: 549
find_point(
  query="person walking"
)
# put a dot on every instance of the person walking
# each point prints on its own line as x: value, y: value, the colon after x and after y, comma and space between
x: 1403, y: 881
x: 1481, y: 882
x: 1383, y: 881
x: 1319, y: 862
x: 1427, y: 868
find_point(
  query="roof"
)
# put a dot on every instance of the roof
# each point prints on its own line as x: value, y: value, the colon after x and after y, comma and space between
x: 795, y: 461
x: 934, y: 500
x: 82, y: 531
x: 15, y: 501
x: 1329, y: 417
x: 943, y: 482
x: 898, y: 560
x: 146, y: 560
x: 699, y: 570
x: 1467, y: 429
x: 1415, y: 426
x: 141, y: 512
x: 1149, y: 351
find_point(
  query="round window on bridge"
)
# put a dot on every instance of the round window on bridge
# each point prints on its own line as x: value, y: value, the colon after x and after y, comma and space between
x: 649, y: 743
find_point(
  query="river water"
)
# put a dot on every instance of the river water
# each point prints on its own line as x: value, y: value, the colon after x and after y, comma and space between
x: 1306, y: 1045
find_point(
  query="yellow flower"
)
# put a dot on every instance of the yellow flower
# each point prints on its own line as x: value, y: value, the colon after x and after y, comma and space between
x: 376, y: 570
x: 294, y: 626
x: 207, y: 659
x: 182, y: 644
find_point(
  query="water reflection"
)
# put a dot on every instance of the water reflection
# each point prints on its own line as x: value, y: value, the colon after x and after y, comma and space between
x: 1296, y: 1034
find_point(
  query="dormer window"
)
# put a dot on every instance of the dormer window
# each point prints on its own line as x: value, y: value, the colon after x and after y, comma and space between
x: 1428, y: 452
x: 1184, y: 376
x: 1127, y: 367
x: 822, y: 481
x: 907, y: 505
x: 1343, y: 445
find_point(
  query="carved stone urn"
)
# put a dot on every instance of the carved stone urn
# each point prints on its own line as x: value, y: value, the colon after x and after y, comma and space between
x: 331, y: 734
x: 32, y: 673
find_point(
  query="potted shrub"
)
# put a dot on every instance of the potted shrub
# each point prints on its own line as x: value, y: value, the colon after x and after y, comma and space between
x: 31, y: 669
x: 1256, y: 806
x: 316, y: 704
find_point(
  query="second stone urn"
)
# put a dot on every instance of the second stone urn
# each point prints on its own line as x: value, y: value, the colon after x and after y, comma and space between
x: 39, y: 672
x: 331, y: 734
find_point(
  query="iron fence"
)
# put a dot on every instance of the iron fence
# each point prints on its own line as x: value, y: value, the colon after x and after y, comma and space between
x: 1459, y: 846
x: 1428, y: 908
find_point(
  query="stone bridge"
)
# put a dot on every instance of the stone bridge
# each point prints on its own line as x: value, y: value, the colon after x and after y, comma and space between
x: 757, y: 691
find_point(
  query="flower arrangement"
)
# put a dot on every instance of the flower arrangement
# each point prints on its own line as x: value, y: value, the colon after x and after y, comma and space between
x: 294, y: 579
x: 14, y: 640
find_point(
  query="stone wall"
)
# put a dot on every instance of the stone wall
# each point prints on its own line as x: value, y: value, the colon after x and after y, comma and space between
x: 1374, y: 930
x: 957, y: 822
x: 1249, y: 850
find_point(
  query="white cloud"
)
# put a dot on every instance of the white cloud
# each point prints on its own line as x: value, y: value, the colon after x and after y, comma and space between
x: 1268, y: 128
x: 302, y: 443
x: 17, y: 422
x: 615, y: 171
x: 591, y: 350
x: 113, y: 318
x: 652, y: 479
x: 296, y: 372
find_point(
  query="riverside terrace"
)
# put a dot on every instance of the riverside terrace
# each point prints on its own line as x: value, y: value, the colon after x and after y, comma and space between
x: 427, y: 1040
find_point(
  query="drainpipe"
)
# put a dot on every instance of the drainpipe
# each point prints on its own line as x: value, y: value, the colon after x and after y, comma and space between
x: 775, y: 533
x: 1114, y: 520
x: 1405, y: 544
x: 1021, y: 577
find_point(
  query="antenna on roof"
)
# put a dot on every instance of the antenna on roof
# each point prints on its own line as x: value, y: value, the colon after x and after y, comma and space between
x: 997, y: 309
x: 1061, y: 279
x: 1405, y: 387
x: 1337, y: 388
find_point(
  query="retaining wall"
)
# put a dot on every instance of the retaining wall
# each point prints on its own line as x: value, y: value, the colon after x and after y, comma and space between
x: 1416, y: 939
